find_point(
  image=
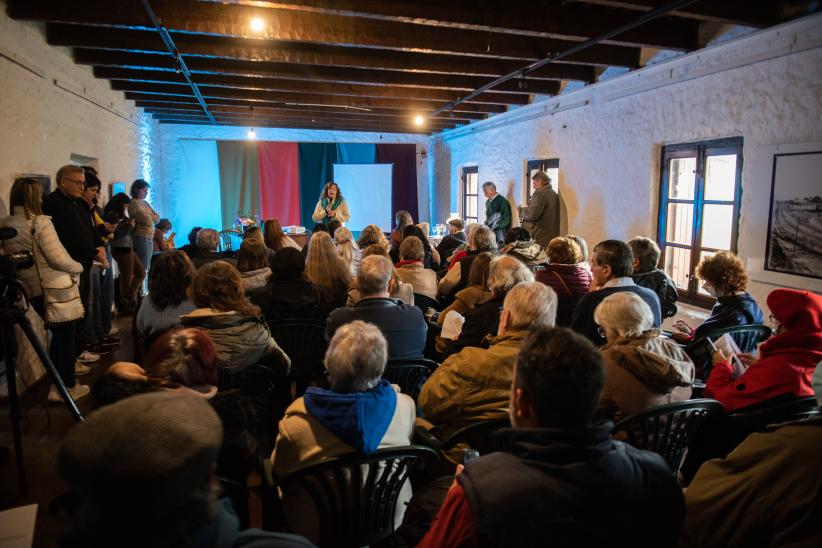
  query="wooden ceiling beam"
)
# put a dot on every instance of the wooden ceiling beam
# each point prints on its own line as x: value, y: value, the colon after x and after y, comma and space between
x: 318, y: 120
x: 163, y: 90
x: 304, y: 86
x: 565, y: 20
x: 758, y: 13
x: 204, y: 19
x: 303, y: 125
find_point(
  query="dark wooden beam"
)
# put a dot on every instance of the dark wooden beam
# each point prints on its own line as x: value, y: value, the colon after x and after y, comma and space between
x: 287, y: 26
x: 564, y: 20
x: 303, y: 125
x: 754, y: 13
x: 375, y: 66
x: 303, y: 86
x: 317, y: 120
x: 164, y: 90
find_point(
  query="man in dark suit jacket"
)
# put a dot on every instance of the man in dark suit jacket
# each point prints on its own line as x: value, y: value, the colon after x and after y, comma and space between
x: 451, y: 241
x: 402, y: 325
x: 611, y: 266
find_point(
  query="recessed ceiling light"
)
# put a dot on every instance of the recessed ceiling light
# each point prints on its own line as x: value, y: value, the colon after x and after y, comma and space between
x: 419, y: 120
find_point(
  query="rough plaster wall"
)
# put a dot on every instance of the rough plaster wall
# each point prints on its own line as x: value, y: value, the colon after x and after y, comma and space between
x: 44, y: 124
x: 169, y: 199
x: 609, y: 150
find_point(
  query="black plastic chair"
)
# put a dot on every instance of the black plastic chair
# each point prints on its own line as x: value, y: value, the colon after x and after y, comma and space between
x: 304, y: 342
x: 424, y: 302
x: 747, y: 338
x: 667, y: 429
x: 355, y: 495
x: 259, y: 384
x: 479, y: 436
x: 410, y: 374
x: 226, y: 238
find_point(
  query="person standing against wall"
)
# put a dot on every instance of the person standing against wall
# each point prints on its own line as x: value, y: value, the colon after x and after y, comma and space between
x: 541, y: 215
x: 497, y: 211
x: 145, y: 218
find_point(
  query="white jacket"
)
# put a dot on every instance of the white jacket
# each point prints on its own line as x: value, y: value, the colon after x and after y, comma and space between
x: 55, y: 260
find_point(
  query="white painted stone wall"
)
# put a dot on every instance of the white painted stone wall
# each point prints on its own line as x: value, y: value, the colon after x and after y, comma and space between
x: 765, y: 87
x: 169, y: 200
x: 51, y: 108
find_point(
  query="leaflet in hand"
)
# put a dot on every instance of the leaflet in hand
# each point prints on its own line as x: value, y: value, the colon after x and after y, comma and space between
x: 452, y: 326
x: 727, y: 345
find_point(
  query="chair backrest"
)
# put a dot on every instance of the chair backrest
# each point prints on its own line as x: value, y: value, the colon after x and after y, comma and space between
x: 784, y: 408
x: 747, y: 338
x: 257, y: 383
x: 304, y: 342
x: 409, y: 374
x: 667, y: 429
x: 424, y: 302
x: 226, y: 238
x: 479, y: 436
x: 355, y: 495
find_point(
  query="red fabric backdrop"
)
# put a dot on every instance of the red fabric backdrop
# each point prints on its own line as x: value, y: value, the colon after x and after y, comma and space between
x: 280, y: 182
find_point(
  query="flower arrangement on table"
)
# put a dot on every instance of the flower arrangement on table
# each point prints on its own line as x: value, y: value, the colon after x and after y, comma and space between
x: 244, y: 221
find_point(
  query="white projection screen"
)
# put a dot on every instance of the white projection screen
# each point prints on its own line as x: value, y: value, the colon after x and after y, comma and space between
x: 367, y: 190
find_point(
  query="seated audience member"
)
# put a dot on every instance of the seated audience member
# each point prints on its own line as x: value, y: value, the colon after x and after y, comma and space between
x: 348, y: 249
x: 360, y: 413
x: 430, y: 258
x: 411, y: 270
x: 274, y: 237
x: 565, y: 274
x: 558, y: 479
x: 208, y: 240
x: 400, y: 290
x: 463, y: 249
x: 583, y: 248
x: 473, y: 385
x: 456, y: 236
x: 723, y: 277
x: 288, y: 293
x: 611, y: 267
x: 520, y: 244
x: 786, y: 361
x: 252, y: 262
x: 333, y: 225
x: 319, y: 227
x: 161, y: 243
x: 643, y: 369
x: 402, y: 325
x: 327, y: 270
x: 765, y: 493
x: 505, y: 272
x: 190, y: 248
x: 372, y: 234
x: 646, y: 274
x: 480, y: 240
x: 143, y: 469
x: 477, y: 292
x: 168, y: 284
x: 402, y: 219
x: 236, y: 326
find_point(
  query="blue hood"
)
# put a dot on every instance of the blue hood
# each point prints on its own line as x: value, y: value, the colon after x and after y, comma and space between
x: 360, y: 419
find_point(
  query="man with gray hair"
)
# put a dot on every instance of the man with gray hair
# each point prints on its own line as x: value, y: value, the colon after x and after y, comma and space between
x: 541, y: 215
x: 473, y: 385
x: 497, y: 211
x: 402, y: 325
x: 208, y: 240
x: 361, y: 412
x: 144, y: 470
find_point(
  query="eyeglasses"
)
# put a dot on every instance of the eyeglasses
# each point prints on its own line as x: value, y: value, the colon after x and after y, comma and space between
x: 76, y: 182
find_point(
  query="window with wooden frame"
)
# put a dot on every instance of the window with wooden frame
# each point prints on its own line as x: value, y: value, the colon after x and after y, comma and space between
x: 551, y: 167
x: 699, y: 196
x: 470, y: 194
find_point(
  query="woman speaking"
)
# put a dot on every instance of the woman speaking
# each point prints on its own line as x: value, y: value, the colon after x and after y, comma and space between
x: 331, y: 205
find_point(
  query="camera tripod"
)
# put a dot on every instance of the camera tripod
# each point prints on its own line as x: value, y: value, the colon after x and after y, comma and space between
x: 11, y: 314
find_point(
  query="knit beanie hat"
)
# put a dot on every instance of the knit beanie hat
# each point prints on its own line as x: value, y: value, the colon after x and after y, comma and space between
x: 143, y: 454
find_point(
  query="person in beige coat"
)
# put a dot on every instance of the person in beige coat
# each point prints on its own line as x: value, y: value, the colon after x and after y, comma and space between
x: 361, y: 413
x: 642, y: 368
x: 474, y: 384
x: 410, y: 269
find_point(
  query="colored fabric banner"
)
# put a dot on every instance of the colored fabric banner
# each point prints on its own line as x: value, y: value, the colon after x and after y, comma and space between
x: 197, y: 202
x: 316, y: 168
x: 404, y: 176
x: 239, y: 180
x: 356, y: 153
x: 280, y: 182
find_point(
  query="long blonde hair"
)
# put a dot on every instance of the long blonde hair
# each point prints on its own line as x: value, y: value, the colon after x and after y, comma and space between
x: 346, y: 246
x: 325, y: 268
x: 28, y: 194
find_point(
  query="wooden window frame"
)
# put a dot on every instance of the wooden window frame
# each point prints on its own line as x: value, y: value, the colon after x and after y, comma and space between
x: 539, y: 165
x: 469, y: 170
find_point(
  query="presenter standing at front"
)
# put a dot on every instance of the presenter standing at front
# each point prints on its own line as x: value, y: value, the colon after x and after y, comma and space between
x: 331, y: 205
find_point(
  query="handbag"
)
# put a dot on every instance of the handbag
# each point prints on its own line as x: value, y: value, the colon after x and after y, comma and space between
x: 61, y: 294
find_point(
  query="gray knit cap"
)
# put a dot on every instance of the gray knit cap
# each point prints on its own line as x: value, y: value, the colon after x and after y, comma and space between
x: 144, y: 453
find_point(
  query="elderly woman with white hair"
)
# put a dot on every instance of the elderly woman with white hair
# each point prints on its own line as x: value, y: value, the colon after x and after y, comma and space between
x: 642, y: 368
x: 360, y: 413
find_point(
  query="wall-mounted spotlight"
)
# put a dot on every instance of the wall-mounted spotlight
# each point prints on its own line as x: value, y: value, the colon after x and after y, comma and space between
x: 257, y: 24
x: 251, y: 134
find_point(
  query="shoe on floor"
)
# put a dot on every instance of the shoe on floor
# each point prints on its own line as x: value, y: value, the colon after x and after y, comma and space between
x: 88, y: 357
x: 76, y: 392
x: 81, y: 369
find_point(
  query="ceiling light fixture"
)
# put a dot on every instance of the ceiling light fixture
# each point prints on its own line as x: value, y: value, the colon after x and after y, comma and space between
x: 252, y: 134
x: 257, y: 24
x: 419, y: 120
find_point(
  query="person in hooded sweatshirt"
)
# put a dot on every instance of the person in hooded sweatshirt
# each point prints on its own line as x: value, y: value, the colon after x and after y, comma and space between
x: 786, y: 361
x: 360, y: 413
x: 520, y: 244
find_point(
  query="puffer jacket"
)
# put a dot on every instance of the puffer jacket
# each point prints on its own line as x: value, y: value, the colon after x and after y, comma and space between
x: 55, y: 261
x: 471, y: 386
x: 241, y: 340
x: 786, y: 361
x: 530, y: 252
x: 643, y: 372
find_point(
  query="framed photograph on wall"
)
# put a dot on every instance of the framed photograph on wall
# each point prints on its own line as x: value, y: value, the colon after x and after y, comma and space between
x: 44, y: 180
x: 794, y: 244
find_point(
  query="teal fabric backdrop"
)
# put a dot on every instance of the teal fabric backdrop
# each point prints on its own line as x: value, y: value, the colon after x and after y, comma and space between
x: 316, y: 168
x: 239, y: 179
x: 360, y: 153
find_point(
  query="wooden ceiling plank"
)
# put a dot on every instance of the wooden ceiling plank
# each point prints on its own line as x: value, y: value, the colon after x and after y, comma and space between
x: 760, y: 13
x: 308, y: 126
x: 305, y: 119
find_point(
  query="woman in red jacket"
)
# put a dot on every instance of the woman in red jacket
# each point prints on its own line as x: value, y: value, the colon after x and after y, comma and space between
x: 786, y: 361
